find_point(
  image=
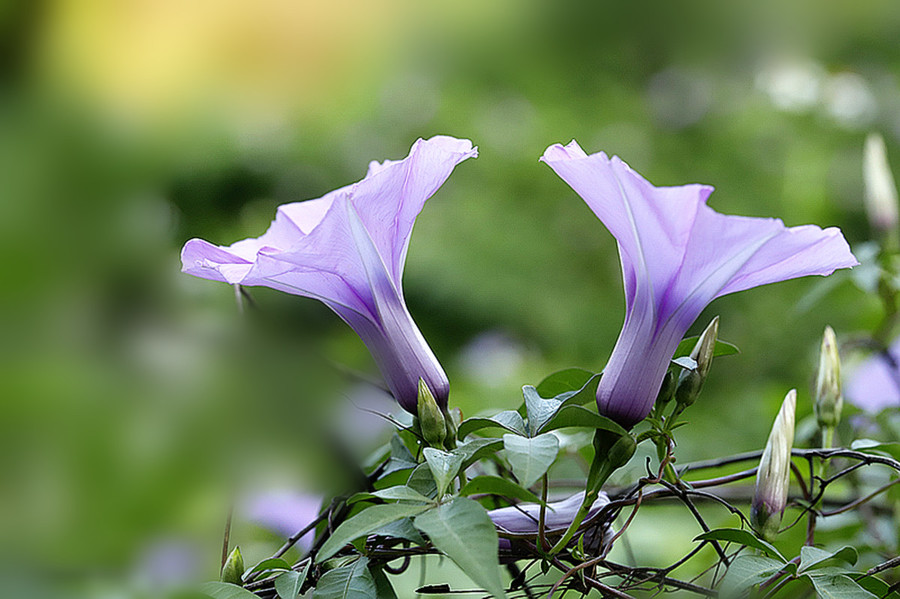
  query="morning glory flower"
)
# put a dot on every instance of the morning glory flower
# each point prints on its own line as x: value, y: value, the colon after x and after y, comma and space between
x: 523, y: 519
x: 875, y: 383
x: 677, y: 255
x: 285, y: 512
x: 347, y: 249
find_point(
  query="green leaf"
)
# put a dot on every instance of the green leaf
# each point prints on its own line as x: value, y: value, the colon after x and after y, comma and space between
x: 401, y: 529
x: 494, y: 485
x: 233, y: 570
x: 878, y: 587
x: 814, y: 558
x: 564, y: 381
x: 747, y: 571
x: 539, y: 410
x: 586, y: 394
x: 383, y: 587
x: 422, y: 480
x: 401, y: 458
x: 272, y: 563
x: 723, y: 348
x: 399, y: 493
x: 530, y: 458
x: 365, y: 522
x: 462, y: 530
x: 830, y: 586
x: 288, y: 585
x: 742, y: 537
x: 476, y: 448
x: 444, y: 466
x: 876, y: 447
x: 226, y: 590
x: 353, y: 581
x: 574, y: 415
x: 508, y: 419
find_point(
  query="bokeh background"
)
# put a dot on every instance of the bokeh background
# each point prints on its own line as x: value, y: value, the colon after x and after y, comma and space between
x: 136, y: 403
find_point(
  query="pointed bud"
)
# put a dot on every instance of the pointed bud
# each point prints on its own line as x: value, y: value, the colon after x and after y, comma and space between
x: 881, y: 191
x: 691, y: 381
x: 452, y: 419
x: 616, y: 449
x: 233, y: 570
x: 774, y: 474
x: 828, y: 400
x: 666, y: 390
x: 431, y: 420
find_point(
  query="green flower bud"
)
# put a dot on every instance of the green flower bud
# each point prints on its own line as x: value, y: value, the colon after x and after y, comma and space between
x: 774, y: 474
x: 233, y: 570
x: 828, y: 400
x: 431, y: 420
x: 691, y: 381
x: 666, y: 390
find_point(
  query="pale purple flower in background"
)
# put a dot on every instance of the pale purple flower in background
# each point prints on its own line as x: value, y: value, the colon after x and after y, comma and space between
x: 167, y: 564
x: 284, y: 512
x: 875, y: 384
x: 523, y: 519
x: 677, y: 255
x: 348, y: 249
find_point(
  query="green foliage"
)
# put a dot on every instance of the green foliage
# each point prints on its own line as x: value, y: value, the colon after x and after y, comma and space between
x: 365, y: 522
x: 288, y: 584
x: 353, y: 581
x: 745, y: 572
x: 269, y: 565
x: 837, y: 586
x: 397, y: 493
x: 462, y: 531
x: 723, y: 348
x: 570, y: 380
x: 530, y: 458
x: 742, y: 537
x: 444, y: 466
x: 225, y: 590
x: 494, y: 485
x: 509, y: 420
x: 813, y: 558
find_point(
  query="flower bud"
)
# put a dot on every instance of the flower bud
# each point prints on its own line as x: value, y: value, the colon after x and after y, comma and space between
x: 881, y: 191
x: 774, y: 473
x: 691, y: 381
x: 233, y: 570
x: 616, y: 449
x: 828, y: 400
x: 431, y: 420
x: 666, y: 391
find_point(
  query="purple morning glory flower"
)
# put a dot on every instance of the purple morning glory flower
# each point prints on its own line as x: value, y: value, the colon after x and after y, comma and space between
x: 677, y: 255
x: 875, y: 384
x: 524, y: 518
x: 347, y: 249
x: 285, y: 512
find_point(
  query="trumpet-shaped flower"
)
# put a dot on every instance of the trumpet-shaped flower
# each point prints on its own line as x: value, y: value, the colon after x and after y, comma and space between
x: 348, y: 249
x: 677, y: 255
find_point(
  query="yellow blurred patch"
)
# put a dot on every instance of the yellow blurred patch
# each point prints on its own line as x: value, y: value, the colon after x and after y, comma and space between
x: 168, y: 58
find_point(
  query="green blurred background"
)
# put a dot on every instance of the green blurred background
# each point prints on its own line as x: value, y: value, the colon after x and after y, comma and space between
x: 135, y: 401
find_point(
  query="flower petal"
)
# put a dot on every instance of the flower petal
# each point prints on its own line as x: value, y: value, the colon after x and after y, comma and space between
x: 394, y: 192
